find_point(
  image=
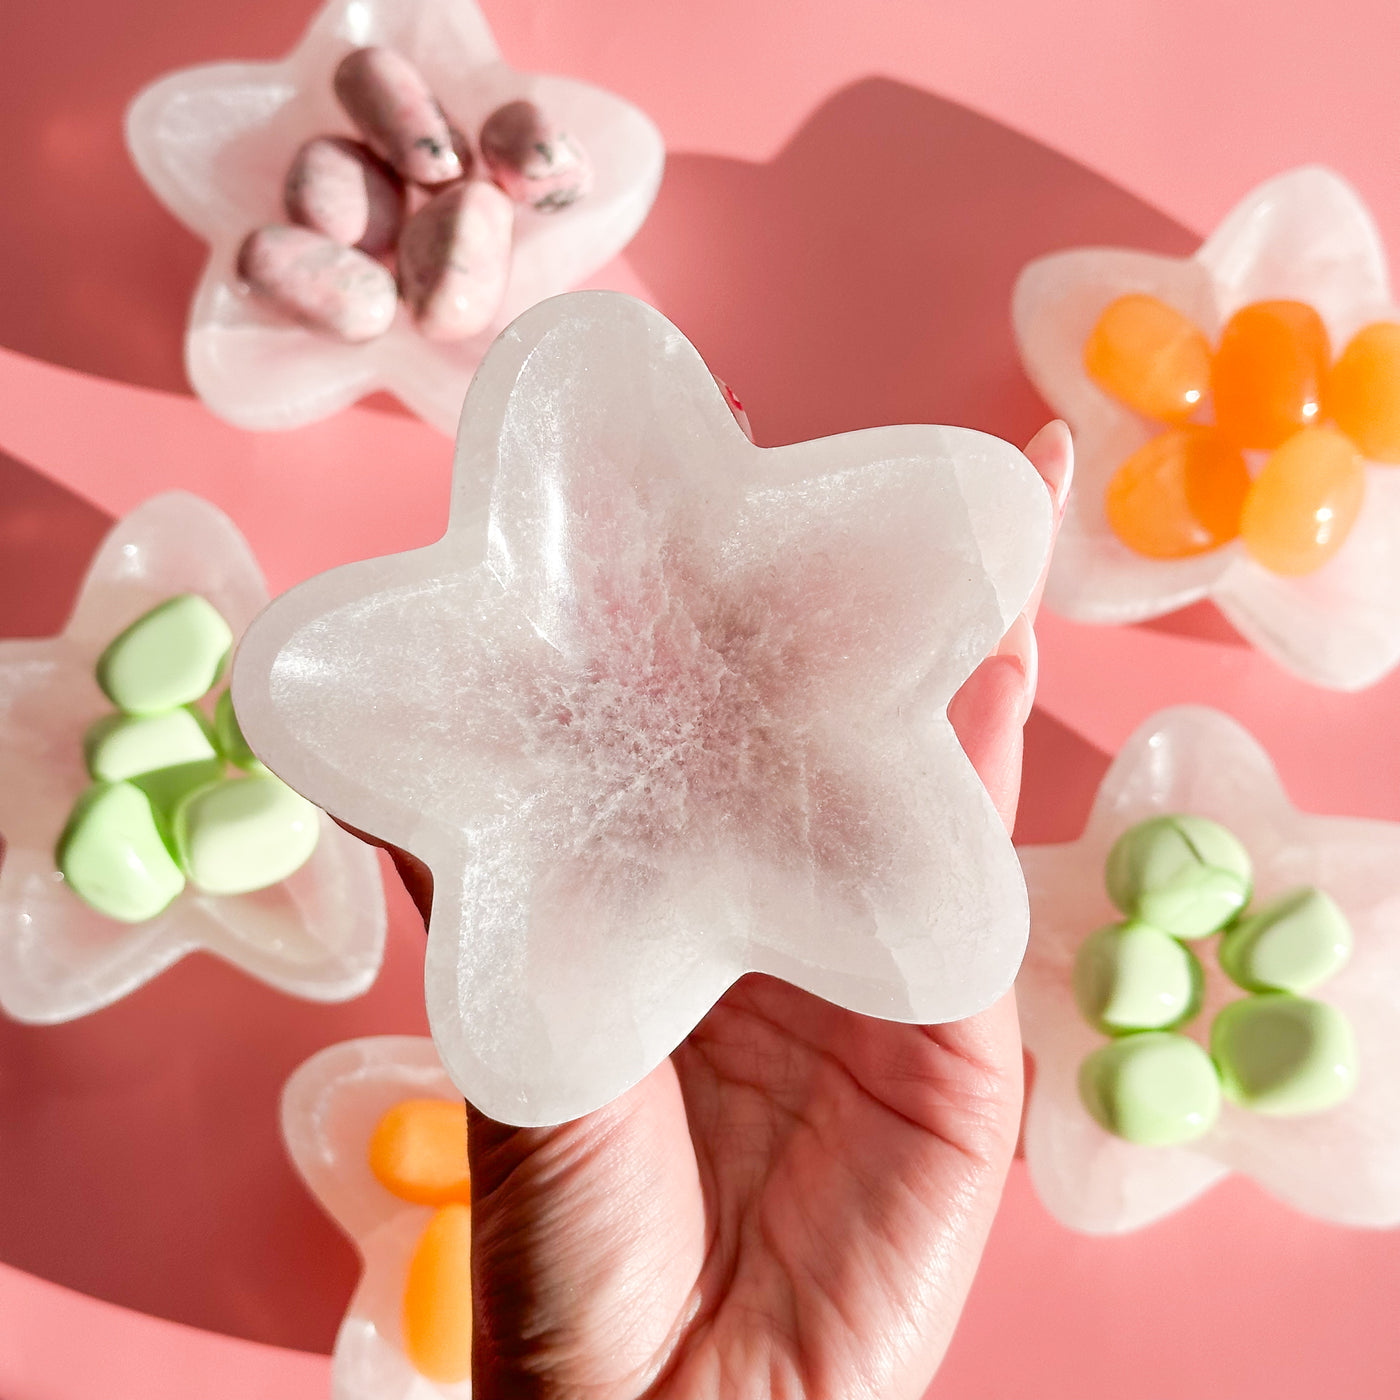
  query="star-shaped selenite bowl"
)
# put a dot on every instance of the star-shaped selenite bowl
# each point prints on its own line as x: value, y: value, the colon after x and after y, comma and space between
x: 318, y: 934
x: 214, y: 144
x: 1304, y: 236
x: 1342, y: 1164
x: 330, y: 1107
x: 663, y: 707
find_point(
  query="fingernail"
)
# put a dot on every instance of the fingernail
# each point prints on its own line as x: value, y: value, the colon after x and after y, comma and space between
x: 1019, y: 645
x: 1051, y: 453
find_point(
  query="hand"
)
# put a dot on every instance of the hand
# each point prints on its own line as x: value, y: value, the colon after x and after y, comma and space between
x: 794, y: 1204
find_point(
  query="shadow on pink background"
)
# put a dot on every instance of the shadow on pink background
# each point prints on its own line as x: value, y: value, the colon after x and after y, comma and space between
x: 864, y: 275
x: 108, y: 274
x: 861, y: 276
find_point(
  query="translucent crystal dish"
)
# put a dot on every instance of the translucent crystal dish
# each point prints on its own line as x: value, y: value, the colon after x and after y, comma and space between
x: 1303, y: 236
x: 318, y: 934
x: 663, y: 707
x: 214, y: 144
x: 1341, y: 1165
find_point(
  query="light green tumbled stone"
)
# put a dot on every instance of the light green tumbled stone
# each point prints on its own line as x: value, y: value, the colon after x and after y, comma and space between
x: 1283, y: 1054
x: 232, y: 744
x: 1292, y: 944
x: 1133, y: 977
x: 243, y: 834
x: 123, y: 746
x: 1156, y: 1089
x: 1185, y: 875
x: 167, y: 657
x: 168, y: 787
x: 113, y: 857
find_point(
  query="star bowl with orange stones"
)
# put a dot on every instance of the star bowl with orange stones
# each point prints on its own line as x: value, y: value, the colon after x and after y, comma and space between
x: 379, y: 1136
x: 1237, y: 423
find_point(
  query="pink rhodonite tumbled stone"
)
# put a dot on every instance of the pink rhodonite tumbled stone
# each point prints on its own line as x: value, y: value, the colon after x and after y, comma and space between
x: 454, y: 260
x: 387, y: 98
x: 533, y: 159
x: 320, y: 282
x: 341, y: 188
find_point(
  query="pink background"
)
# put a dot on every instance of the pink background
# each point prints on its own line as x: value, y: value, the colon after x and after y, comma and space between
x: 848, y: 199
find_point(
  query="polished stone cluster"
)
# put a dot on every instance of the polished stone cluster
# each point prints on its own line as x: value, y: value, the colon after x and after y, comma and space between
x: 1252, y: 1032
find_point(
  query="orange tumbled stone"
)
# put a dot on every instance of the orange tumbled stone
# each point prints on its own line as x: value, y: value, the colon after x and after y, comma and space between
x: 419, y: 1151
x: 1304, y: 502
x: 437, y: 1298
x: 1362, y: 393
x: 1266, y: 377
x: 1178, y: 495
x: 1150, y: 357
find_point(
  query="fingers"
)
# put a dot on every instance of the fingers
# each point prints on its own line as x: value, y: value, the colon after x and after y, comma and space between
x: 986, y: 715
x: 417, y: 878
x: 1051, y: 453
x: 1028, y: 1081
x: 995, y: 700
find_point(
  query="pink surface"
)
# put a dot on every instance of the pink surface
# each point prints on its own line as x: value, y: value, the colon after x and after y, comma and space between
x: 55, y: 1344
x: 841, y: 246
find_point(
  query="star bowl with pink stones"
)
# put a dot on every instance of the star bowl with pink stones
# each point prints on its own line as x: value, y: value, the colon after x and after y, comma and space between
x: 1341, y: 1165
x: 662, y: 708
x: 1303, y: 236
x: 330, y: 1107
x: 214, y: 144
x: 318, y: 934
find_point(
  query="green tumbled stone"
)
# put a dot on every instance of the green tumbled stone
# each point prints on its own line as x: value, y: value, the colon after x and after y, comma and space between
x: 1187, y: 876
x: 1133, y: 977
x: 168, y: 787
x: 232, y: 744
x: 167, y: 657
x: 1283, y: 1054
x: 1292, y: 944
x: 243, y: 834
x: 123, y: 746
x: 113, y: 857
x: 1156, y: 1089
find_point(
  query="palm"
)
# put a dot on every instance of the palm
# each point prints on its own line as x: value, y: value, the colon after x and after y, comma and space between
x: 796, y: 1183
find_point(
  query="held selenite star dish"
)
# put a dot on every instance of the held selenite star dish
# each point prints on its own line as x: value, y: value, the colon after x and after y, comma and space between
x: 663, y: 707
x: 1342, y: 1164
x: 330, y: 1106
x: 318, y: 934
x: 1304, y: 236
x: 214, y: 144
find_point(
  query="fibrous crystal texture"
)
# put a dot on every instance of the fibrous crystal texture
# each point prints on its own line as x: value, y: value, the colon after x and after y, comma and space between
x: 318, y: 934
x: 1342, y: 1164
x: 1304, y: 236
x: 214, y: 144
x: 664, y: 707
